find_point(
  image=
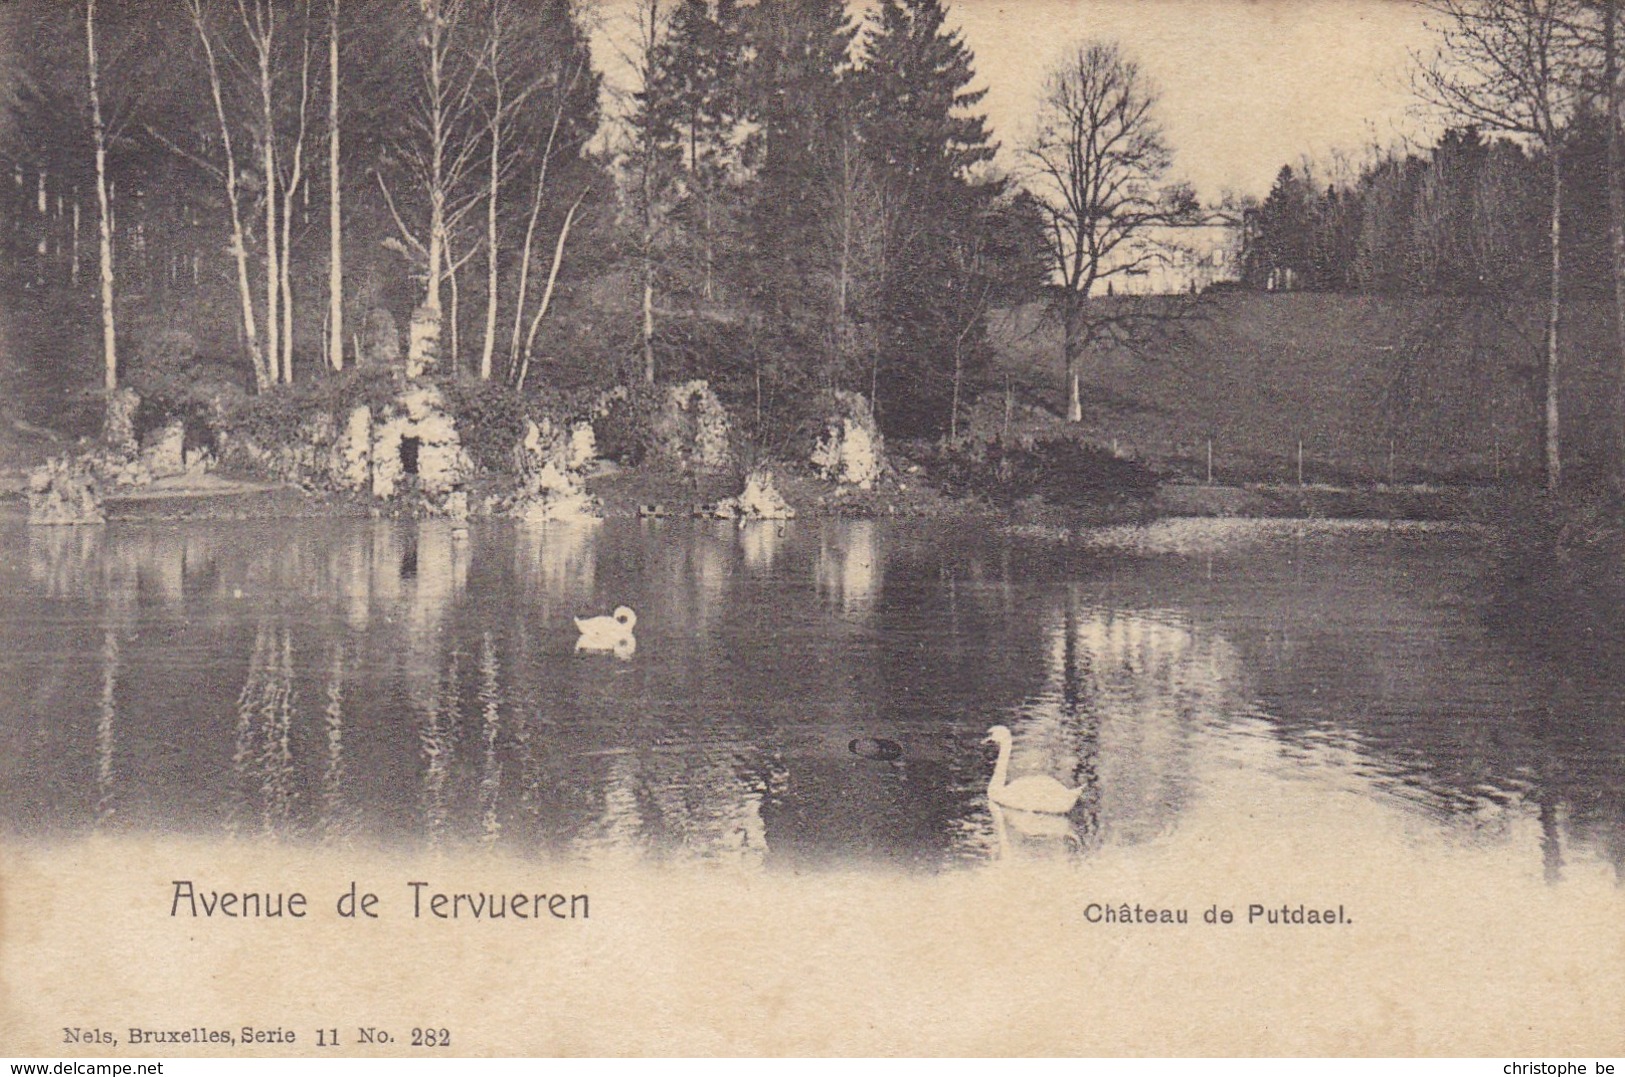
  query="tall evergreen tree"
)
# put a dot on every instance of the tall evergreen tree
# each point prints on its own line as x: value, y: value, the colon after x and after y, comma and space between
x: 1280, y: 259
x: 697, y: 90
x: 923, y: 142
x: 797, y: 87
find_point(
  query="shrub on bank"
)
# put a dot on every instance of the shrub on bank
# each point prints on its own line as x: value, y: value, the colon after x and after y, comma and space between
x: 624, y: 422
x: 175, y: 385
x: 490, y: 419
x: 1064, y: 471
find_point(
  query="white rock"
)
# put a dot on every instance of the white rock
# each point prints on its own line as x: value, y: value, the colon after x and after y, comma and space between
x: 166, y: 454
x: 760, y: 500
x: 350, y: 462
x: 851, y: 450
x: 583, y: 448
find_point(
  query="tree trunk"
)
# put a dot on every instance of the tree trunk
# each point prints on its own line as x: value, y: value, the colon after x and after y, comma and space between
x: 285, y: 286
x: 437, y: 160
x: 648, y: 251
x: 239, y: 245
x: 1069, y: 351
x: 547, y: 292
x: 524, y: 270
x: 488, y: 348
x: 452, y: 266
x: 335, y: 223
x: 437, y: 253
x: 109, y: 335
x: 488, y: 345
x: 648, y: 321
x: 273, y: 274
x: 290, y: 195
x: 1616, y: 226
x: 1554, y: 460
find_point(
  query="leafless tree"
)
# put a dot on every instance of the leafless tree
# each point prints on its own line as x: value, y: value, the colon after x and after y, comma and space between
x: 230, y: 174
x: 1515, y: 66
x: 1095, y: 165
x: 292, y: 183
x: 517, y: 365
x: 443, y: 142
x: 335, y: 215
x: 105, y: 228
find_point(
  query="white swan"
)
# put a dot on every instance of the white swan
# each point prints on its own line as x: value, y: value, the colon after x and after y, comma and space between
x: 606, y: 633
x: 1034, y: 793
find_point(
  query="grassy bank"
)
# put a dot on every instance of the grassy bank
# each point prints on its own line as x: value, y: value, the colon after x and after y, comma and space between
x: 1374, y: 389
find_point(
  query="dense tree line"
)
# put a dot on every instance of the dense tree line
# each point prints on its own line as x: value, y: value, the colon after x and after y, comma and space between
x: 1467, y: 217
x: 1522, y: 201
x: 793, y: 201
x: 818, y: 190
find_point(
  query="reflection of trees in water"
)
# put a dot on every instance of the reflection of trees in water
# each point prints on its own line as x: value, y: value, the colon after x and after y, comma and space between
x: 702, y: 804
x: 1394, y: 656
x: 1573, y: 771
x: 149, y: 564
x: 617, y: 832
x: 65, y: 562
x: 105, y: 716
x: 850, y: 567
x: 335, y: 818
x: 438, y: 728
x: 557, y: 563
x: 491, y: 729
x: 1124, y: 691
x: 706, y: 573
x: 759, y: 542
x: 262, y: 758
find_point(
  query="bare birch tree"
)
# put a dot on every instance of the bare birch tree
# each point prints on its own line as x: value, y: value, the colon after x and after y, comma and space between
x: 229, y: 174
x: 104, y: 221
x: 335, y: 215
x: 651, y: 135
x: 568, y: 78
x: 292, y: 184
x: 518, y: 69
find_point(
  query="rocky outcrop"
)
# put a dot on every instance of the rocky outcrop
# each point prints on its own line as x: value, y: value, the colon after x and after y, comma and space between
x: 759, y: 500
x: 349, y: 461
x: 549, y: 461
x: 415, y: 434
x: 851, y: 452
x: 554, y: 495
x: 692, y: 428
x: 63, y: 492
x: 164, y: 454
x: 583, y: 446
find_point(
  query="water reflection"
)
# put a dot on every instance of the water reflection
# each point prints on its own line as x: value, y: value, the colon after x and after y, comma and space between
x: 262, y: 759
x: 556, y: 562
x: 759, y: 541
x: 490, y: 728
x: 335, y: 816
x: 386, y: 681
x: 105, y: 715
x: 850, y: 566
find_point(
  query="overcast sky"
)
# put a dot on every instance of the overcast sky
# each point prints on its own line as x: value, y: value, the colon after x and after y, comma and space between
x: 1247, y: 85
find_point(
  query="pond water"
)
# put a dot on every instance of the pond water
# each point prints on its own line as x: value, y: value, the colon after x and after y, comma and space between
x: 391, y: 685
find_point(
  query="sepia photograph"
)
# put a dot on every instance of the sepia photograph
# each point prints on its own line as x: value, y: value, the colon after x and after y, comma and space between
x: 579, y: 528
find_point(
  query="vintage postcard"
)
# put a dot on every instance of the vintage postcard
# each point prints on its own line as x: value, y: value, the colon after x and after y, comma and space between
x: 806, y: 527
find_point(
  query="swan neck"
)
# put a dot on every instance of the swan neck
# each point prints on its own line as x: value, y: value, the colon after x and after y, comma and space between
x: 1000, y: 768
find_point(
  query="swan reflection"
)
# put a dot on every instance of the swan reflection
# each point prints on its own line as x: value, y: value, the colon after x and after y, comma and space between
x: 1023, y: 835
